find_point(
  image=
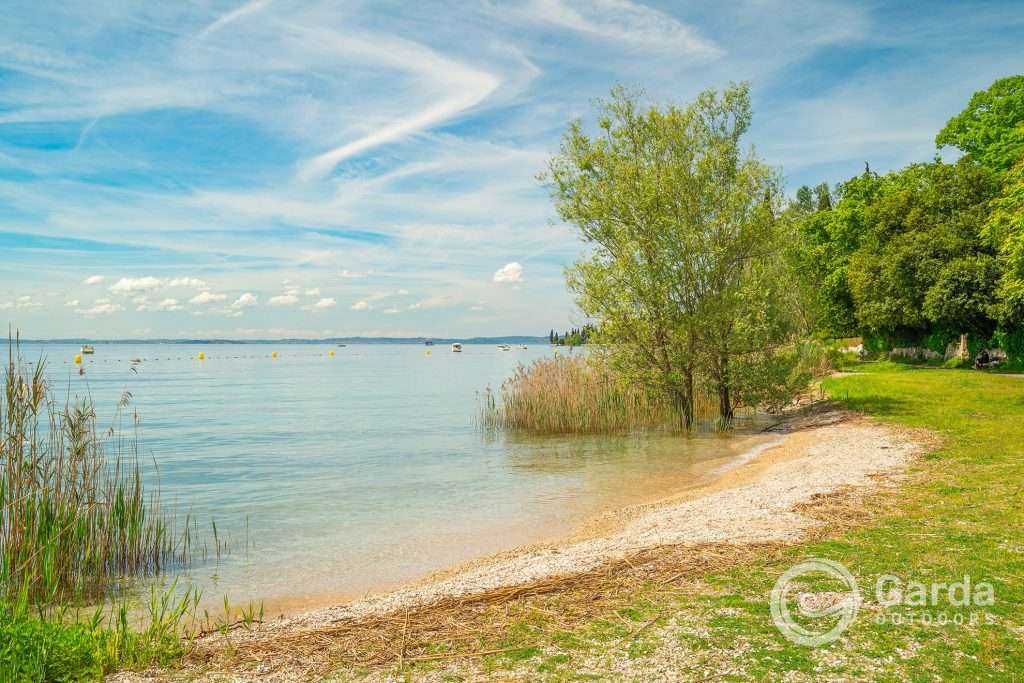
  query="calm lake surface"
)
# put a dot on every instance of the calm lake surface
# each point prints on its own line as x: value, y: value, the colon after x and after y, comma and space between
x: 362, y: 471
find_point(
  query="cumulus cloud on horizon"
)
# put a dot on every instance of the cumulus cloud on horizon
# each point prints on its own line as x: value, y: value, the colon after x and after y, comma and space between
x: 321, y: 305
x: 100, y: 307
x: 207, y: 297
x: 284, y: 300
x: 510, y: 272
x: 247, y: 299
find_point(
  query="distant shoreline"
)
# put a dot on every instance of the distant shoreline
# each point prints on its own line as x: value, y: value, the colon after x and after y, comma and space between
x: 330, y: 340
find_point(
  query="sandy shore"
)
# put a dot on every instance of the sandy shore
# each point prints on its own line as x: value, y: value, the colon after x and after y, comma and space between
x: 755, y: 499
x: 752, y: 500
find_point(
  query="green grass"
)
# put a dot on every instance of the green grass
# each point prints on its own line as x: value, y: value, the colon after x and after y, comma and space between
x: 961, y: 514
x: 60, y: 644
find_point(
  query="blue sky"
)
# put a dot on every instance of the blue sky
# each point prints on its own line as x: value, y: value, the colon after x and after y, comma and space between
x: 274, y: 168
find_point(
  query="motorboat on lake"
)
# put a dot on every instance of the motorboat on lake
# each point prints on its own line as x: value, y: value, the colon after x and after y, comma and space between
x: 88, y: 349
x: 456, y: 348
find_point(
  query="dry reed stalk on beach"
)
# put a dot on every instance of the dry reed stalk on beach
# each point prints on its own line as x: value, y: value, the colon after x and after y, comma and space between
x: 474, y: 625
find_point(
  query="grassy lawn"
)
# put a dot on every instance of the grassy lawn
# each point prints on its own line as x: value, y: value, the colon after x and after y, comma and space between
x: 961, y: 515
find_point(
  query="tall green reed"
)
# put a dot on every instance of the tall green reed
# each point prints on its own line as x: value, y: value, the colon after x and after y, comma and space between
x: 76, y: 516
x: 577, y: 395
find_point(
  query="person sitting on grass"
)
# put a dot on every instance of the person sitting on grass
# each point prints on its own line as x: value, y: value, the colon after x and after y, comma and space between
x: 982, y: 361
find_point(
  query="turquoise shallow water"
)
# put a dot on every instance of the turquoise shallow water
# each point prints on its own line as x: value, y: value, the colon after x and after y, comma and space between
x: 365, y: 470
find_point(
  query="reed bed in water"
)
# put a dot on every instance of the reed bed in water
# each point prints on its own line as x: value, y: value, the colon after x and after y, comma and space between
x: 74, y: 513
x: 571, y: 395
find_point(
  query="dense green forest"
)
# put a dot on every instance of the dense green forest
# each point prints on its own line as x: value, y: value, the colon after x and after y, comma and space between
x: 919, y: 256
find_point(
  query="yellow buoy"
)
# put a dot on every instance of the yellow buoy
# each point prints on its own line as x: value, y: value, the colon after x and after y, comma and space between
x: 78, y: 359
x: 273, y: 354
x: 330, y: 354
x: 201, y: 356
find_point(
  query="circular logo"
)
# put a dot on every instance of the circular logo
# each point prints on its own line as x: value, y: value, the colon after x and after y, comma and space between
x: 823, y: 615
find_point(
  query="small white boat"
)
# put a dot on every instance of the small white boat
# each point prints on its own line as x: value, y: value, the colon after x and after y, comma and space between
x: 522, y: 346
x: 88, y: 349
x: 504, y: 347
x: 456, y: 348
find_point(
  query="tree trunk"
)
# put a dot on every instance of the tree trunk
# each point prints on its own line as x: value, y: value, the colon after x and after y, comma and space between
x: 684, y: 402
x: 725, y: 411
x: 724, y: 403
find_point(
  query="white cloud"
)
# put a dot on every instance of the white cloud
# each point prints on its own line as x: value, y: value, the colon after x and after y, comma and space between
x: 625, y: 22
x: 72, y: 303
x: 391, y: 311
x: 230, y: 17
x: 93, y: 280
x: 164, y: 305
x: 5, y: 305
x: 26, y: 302
x: 352, y: 275
x: 247, y: 299
x: 361, y: 306
x: 284, y: 300
x: 190, y: 282
x: 315, y: 291
x: 127, y: 285
x: 463, y: 87
x: 439, y: 301
x: 101, y: 307
x: 207, y: 298
x: 511, y: 272
x: 321, y: 305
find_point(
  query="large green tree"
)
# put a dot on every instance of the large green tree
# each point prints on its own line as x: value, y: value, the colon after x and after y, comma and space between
x: 1004, y: 229
x: 921, y: 263
x: 680, y: 222
x: 827, y: 235
x: 902, y: 257
x: 991, y: 128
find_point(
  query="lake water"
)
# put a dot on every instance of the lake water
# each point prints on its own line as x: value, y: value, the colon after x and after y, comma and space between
x: 366, y: 470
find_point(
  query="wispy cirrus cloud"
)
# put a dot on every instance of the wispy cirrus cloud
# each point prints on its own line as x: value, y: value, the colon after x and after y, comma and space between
x: 632, y: 23
x: 234, y: 15
x: 380, y: 147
